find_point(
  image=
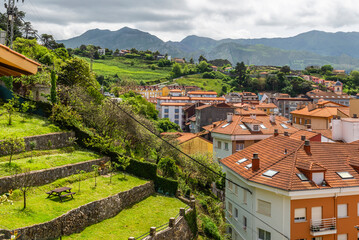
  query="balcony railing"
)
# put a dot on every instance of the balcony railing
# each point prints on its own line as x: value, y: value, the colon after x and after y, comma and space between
x: 323, y: 226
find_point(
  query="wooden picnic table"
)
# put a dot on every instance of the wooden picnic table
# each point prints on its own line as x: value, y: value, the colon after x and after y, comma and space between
x: 58, y: 192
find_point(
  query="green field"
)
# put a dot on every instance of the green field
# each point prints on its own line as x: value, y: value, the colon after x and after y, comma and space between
x: 33, y: 125
x: 41, y: 209
x: 205, y: 84
x: 134, y: 221
x: 134, y: 69
x: 44, y: 159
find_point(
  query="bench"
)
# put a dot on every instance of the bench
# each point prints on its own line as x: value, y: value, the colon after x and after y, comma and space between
x: 67, y: 194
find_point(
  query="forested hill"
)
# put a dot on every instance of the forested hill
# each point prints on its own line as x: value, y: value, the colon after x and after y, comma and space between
x: 311, y: 48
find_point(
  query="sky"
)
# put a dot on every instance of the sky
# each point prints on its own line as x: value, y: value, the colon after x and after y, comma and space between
x: 175, y: 19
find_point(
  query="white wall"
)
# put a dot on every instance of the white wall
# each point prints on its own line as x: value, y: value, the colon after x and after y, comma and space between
x: 221, y: 152
x: 171, y: 114
x: 345, y: 129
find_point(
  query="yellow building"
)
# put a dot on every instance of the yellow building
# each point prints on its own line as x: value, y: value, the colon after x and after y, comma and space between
x: 192, y: 144
x: 268, y: 108
x: 354, y: 107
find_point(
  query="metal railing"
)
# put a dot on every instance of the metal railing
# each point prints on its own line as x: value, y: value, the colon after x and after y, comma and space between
x: 323, y: 225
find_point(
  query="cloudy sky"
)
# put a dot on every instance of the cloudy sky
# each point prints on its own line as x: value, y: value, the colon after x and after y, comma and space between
x: 176, y: 19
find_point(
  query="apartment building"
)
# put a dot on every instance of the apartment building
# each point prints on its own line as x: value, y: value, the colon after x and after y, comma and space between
x: 288, y: 104
x: 290, y: 189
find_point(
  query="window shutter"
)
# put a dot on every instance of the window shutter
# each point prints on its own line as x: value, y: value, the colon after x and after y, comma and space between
x: 264, y: 208
x: 299, y: 214
x: 342, y: 210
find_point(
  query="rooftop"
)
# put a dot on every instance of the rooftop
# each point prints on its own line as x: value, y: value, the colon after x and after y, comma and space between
x: 288, y: 157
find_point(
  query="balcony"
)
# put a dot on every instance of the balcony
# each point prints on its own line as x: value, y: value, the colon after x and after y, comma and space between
x: 323, y: 227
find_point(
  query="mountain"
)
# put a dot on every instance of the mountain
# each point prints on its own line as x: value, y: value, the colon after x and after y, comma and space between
x: 311, y: 48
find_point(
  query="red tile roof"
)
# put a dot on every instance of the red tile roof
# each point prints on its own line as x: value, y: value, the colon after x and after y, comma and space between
x: 328, y: 157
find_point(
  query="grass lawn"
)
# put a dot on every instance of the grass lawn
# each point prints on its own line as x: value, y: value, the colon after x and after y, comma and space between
x: 44, y: 159
x: 139, y: 71
x: 205, y: 84
x: 33, y: 125
x: 41, y: 209
x: 134, y: 221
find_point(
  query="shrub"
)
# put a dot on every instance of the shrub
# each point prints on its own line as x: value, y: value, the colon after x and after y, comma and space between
x: 191, y: 219
x: 210, y: 229
x: 166, y: 186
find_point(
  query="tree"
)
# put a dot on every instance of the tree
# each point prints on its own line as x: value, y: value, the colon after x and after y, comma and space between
x: 191, y: 61
x: 53, y: 94
x: 80, y: 173
x: 25, y: 107
x: 25, y: 180
x: 203, y: 66
x: 176, y: 70
x: 165, y: 125
x: 123, y: 162
x: 168, y: 167
x: 32, y: 145
x: 96, y: 170
x: 201, y: 58
x: 12, y: 145
x: 11, y: 106
x: 112, y: 167
x: 326, y: 69
x: 285, y: 69
x: 241, y: 72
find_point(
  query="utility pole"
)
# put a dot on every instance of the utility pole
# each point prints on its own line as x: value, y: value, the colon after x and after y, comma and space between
x: 11, y: 11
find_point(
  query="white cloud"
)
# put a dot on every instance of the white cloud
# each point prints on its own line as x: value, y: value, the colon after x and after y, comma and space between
x: 174, y: 20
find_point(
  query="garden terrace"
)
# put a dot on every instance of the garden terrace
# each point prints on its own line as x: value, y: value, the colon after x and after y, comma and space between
x: 41, y: 209
x: 44, y: 159
x: 33, y: 125
x: 134, y: 221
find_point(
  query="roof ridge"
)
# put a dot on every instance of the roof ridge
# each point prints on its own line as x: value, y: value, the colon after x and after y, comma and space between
x: 294, y: 164
x: 239, y: 119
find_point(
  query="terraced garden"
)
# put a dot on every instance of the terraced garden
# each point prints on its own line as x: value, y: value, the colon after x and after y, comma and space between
x: 134, y: 221
x: 204, y: 83
x: 41, y: 209
x: 44, y: 159
x: 33, y: 125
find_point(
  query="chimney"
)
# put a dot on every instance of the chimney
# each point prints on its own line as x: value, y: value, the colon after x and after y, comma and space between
x: 276, y: 132
x: 255, y: 162
x: 286, y: 134
x: 302, y: 138
x: 285, y: 151
x: 272, y: 118
x: 307, y: 146
x: 229, y: 117
x: 355, y: 115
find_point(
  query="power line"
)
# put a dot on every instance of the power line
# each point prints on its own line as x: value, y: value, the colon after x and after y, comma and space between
x: 164, y: 140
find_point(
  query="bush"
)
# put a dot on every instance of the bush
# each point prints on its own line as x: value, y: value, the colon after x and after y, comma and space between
x: 142, y: 169
x: 191, y: 219
x: 210, y: 229
x: 166, y: 186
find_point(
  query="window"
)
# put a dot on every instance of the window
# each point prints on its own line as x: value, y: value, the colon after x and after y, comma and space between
x: 229, y: 208
x: 342, y: 237
x: 255, y: 128
x: 342, y: 210
x: 219, y: 144
x: 317, y: 238
x: 248, y: 166
x: 230, y: 185
x: 243, y: 127
x: 345, y: 175
x: 176, y: 116
x: 235, y: 212
x: 302, y: 177
x: 225, y: 125
x: 236, y: 189
x: 270, y: 173
x: 226, y: 146
x: 244, y: 223
x: 263, y: 235
x: 176, y: 110
x: 284, y: 126
x: 299, y: 215
x: 176, y: 122
x: 262, y: 126
x: 244, y: 196
x: 166, y: 115
x: 264, y: 208
x: 166, y: 110
x: 239, y: 146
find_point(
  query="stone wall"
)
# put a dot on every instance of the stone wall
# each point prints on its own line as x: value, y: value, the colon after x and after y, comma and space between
x: 46, y: 176
x: 78, y: 219
x: 178, y: 229
x: 47, y: 141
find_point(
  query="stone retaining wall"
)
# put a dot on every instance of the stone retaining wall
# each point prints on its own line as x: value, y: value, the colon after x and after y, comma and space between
x: 47, y: 141
x: 46, y: 176
x: 78, y: 219
x: 178, y: 229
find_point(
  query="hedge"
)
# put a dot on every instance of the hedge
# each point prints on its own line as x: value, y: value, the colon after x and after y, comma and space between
x: 191, y: 219
x: 142, y: 169
x: 166, y: 186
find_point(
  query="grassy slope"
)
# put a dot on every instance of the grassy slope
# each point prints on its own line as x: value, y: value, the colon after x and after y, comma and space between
x: 134, y: 221
x: 33, y: 125
x: 45, y: 159
x: 140, y: 70
x: 205, y: 84
x: 41, y: 209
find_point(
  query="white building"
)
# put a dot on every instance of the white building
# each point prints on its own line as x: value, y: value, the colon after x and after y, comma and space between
x: 173, y: 111
x: 345, y: 129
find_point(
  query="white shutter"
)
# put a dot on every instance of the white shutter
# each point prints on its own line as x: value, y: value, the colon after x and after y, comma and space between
x: 342, y: 210
x: 299, y: 214
x: 316, y: 213
x: 318, y: 178
x: 264, y: 208
x: 342, y: 237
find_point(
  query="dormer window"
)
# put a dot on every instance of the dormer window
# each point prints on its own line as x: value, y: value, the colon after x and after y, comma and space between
x: 318, y: 177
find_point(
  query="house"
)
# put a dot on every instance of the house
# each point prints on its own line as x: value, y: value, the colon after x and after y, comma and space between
x: 316, y: 94
x: 214, y: 68
x: 209, y: 113
x: 317, y: 116
x: 345, y: 129
x: 242, y: 129
x: 268, y: 108
x: 101, y: 51
x: 191, y: 143
x: 338, y: 88
x: 282, y: 188
x: 287, y: 104
x: 310, y: 135
x: 242, y: 97
x: 339, y: 72
x: 205, y: 94
x: 179, y: 60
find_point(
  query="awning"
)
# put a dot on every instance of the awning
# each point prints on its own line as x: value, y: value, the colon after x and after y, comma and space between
x: 15, y: 64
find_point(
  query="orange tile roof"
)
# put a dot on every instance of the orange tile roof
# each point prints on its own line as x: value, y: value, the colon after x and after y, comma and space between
x: 344, y: 111
x: 325, y: 112
x: 175, y: 90
x: 267, y: 105
x: 308, y: 134
x: 202, y: 92
x: 325, y: 132
x: 328, y: 157
x: 234, y: 127
x: 251, y: 121
x: 192, y: 98
x: 174, y: 104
